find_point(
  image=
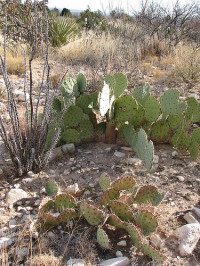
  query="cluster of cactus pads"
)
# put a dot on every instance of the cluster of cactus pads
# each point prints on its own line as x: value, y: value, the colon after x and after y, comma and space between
x: 128, y: 118
x: 122, y: 206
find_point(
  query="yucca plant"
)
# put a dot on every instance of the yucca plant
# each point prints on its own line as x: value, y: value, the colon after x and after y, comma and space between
x: 25, y: 137
x: 62, y: 31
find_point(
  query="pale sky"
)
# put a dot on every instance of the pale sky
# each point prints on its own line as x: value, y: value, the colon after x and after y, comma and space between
x: 126, y: 5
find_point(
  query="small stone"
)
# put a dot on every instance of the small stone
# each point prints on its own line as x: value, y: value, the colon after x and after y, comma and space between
x: 52, y: 172
x: 122, y: 243
x: 180, y: 178
x: 5, y: 242
x: 73, y: 188
x: 27, y: 180
x: 12, y: 223
x: 14, y: 195
x: 189, y: 218
x: 135, y: 161
x: 119, y: 154
x: 189, y: 236
x: 37, y: 202
x: 156, y: 241
x: 91, y: 185
x: 156, y: 159
x: 66, y: 172
x: 22, y: 253
x: 87, y: 192
x: 76, y: 262
x: 174, y: 154
x: 108, y: 150
x: 126, y: 149
x: 196, y: 211
x: 119, y: 253
x: 68, y: 148
x: 30, y: 174
x: 194, y: 95
x: 51, y: 235
x: 122, y: 261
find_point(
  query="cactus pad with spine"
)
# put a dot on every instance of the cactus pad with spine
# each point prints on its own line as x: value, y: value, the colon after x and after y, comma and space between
x: 48, y: 220
x: 46, y: 207
x: 141, y: 143
x: 192, y: 106
x: 196, y: 115
x: 196, y: 135
x: 124, y: 183
x: 194, y: 149
x: 108, y: 195
x: 175, y: 121
x: 170, y: 104
x: 141, y: 94
x: 56, y: 105
x: 146, y: 194
x: 104, y: 181
x: 81, y: 82
x: 71, y: 136
x: 121, y: 84
x: 110, y: 81
x: 146, y: 221
x: 94, y: 100
x: 137, y: 119
x: 160, y: 131
x: 68, y: 86
x: 152, y: 253
x: 152, y: 109
x: 149, y: 155
x: 51, y: 188
x: 134, y: 234
x: 67, y: 215
x: 86, y: 129
x: 73, y: 116
x: 125, y: 108
x: 84, y: 102
x: 121, y: 210
x: 64, y: 201
x: 102, y: 238
x: 130, y: 135
x: 91, y: 213
x: 115, y: 221
x: 180, y: 140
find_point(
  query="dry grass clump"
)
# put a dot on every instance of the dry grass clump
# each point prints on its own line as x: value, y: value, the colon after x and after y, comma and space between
x: 44, y: 260
x: 15, y: 61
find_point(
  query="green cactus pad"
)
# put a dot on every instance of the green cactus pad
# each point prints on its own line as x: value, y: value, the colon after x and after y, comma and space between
x: 130, y: 135
x: 180, y: 140
x: 110, y: 81
x: 158, y: 199
x: 46, y: 207
x: 121, y: 84
x: 57, y: 105
x: 94, y: 99
x: 102, y: 239
x: 141, y: 143
x: 124, y: 183
x: 101, y: 128
x: 192, y: 107
x: 71, y: 136
x: 51, y: 188
x: 68, y: 86
x: 84, y: 102
x: 86, y: 129
x: 169, y: 103
x: 137, y: 119
x: 108, y: 195
x: 67, y: 215
x: 115, y: 221
x: 149, y: 155
x: 194, y: 149
x: 125, y: 108
x: 48, y: 220
x: 134, y: 234
x: 152, y: 109
x: 146, y: 221
x: 121, y: 210
x: 152, y: 253
x: 92, y: 214
x: 175, y: 121
x: 120, y: 132
x: 81, y: 82
x: 64, y: 201
x: 160, y: 131
x: 73, y: 116
x: 104, y: 181
x: 146, y: 194
x: 141, y: 94
x: 196, y: 135
x: 196, y: 116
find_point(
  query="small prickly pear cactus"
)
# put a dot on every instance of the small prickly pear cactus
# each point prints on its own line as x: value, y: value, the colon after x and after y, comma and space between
x: 51, y: 188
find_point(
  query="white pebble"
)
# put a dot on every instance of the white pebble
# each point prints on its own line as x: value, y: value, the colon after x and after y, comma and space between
x: 119, y: 253
x: 122, y: 243
x: 180, y: 178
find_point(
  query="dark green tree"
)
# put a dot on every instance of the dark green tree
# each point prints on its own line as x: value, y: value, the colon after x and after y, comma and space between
x: 66, y: 12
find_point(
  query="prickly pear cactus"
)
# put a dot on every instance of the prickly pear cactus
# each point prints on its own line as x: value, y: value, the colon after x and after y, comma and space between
x: 160, y: 131
x: 108, y: 195
x: 152, y: 109
x: 181, y: 140
x: 146, y: 221
x: 104, y: 181
x: 141, y: 94
x: 86, y: 130
x: 81, y: 82
x: 152, y: 253
x: 92, y: 214
x: 124, y: 183
x: 121, y: 210
x: 57, y: 105
x: 68, y: 86
x: 65, y: 201
x: 71, y: 136
x: 73, y: 116
x: 121, y: 83
x: 51, y: 188
x: 84, y: 102
x: 102, y: 239
x: 125, y: 108
x: 134, y: 234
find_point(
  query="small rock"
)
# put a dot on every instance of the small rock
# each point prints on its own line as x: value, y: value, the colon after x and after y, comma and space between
x: 73, y: 188
x: 68, y: 148
x: 180, y: 178
x: 108, y: 150
x: 135, y: 161
x: 37, y: 202
x: 188, y: 235
x: 14, y: 195
x: 52, y: 172
x: 31, y: 174
x: 12, y: 223
x: 156, y: 241
x: 122, y: 261
x: 119, y: 154
x: 196, y: 211
x: 22, y: 253
x: 174, y: 154
x: 5, y: 242
x: 87, y: 192
x: 27, y: 180
x: 126, y: 149
x: 156, y: 159
x: 194, y: 95
x: 122, y: 243
x: 91, y: 185
x: 189, y: 218
x: 66, y: 172
x: 51, y: 235
x: 119, y: 254
x: 76, y: 262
